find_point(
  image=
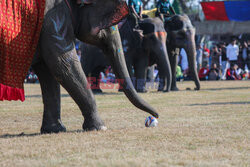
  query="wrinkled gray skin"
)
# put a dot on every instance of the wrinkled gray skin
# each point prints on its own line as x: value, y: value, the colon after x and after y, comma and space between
x: 56, y: 61
x: 181, y: 34
x: 139, y: 53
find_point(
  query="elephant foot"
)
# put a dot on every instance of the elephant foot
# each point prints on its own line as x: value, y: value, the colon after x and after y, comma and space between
x: 53, y: 128
x: 174, y: 89
x: 160, y: 89
x: 196, y: 88
x: 97, y: 91
x: 94, y: 123
x: 167, y: 90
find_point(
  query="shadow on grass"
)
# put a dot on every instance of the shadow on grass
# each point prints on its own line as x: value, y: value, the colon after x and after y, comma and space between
x: 7, y: 136
x: 40, y: 96
x: 230, y: 88
x: 108, y: 93
x: 67, y: 95
x: 220, y: 103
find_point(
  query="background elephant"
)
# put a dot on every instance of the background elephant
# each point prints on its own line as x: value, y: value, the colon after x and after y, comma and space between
x: 140, y: 52
x: 181, y: 34
x: 93, y: 62
x: 56, y: 61
x: 152, y: 51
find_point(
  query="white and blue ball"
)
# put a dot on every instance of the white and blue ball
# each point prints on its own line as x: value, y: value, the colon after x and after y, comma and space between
x: 151, y: 122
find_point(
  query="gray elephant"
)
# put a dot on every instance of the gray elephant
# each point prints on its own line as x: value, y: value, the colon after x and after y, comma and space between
x: 181, y: 34
x: 152, y: 51
x: 140, y: 52
x: 93, y: 63
x: 56, y: 61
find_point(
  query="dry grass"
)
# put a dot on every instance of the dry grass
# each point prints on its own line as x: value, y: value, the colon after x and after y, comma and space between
x: 210, y: 127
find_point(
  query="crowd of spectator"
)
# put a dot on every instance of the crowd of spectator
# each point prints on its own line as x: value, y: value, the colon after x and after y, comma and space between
x: 31, y: 77
x: 221, y: 62
x: 108, y: 75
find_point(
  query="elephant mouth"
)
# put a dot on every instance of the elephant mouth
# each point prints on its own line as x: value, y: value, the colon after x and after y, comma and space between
x: 120, y: 12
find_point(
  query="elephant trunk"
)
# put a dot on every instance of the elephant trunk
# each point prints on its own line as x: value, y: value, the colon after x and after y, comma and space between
x: 113, y: 50
x: 191, y: 54
x: 164, y: 65
x: 160, y: 51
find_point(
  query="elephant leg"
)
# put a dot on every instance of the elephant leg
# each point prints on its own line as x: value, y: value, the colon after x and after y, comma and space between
x: 96, y: 76
x: 140, y: 75
x: 58, y: 52
x: 173, y: 62
x: 68, y: 73
x: 162, y: 82
x: 150, y: 73
x: 51, y: 99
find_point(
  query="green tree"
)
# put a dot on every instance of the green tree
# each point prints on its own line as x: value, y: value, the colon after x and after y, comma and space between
x: 189, y: 6
x: 177, y: 7
x: 183, y: 4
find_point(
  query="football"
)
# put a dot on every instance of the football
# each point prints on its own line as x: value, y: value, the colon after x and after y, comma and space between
x: 151, y: 122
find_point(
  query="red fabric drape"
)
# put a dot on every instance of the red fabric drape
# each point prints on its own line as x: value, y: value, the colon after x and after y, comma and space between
x: 9, y: 93
x: 20, y: 26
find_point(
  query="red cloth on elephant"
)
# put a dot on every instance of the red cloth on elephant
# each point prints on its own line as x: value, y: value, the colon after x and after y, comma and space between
x: 20, y: 26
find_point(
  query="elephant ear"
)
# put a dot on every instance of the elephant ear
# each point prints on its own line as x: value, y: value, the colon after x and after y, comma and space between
x: 120, y: 12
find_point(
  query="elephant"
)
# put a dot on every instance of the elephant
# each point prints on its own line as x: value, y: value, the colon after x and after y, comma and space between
x: 93, y: 62
x: 181, y: 34
x: 153, y: 51
x: 56, y: 62
x: 140, y: 52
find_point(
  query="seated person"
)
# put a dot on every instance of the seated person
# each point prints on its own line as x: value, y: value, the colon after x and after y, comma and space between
x: 135, y: 7
x: 239, y: 72
x: 232, y: 73
x: 186, y: 75
x: 164, y: 9
x: 111, y: 76
x: 179, y: 75
x: 156, y: 74
x: 203, y: 73
x: 246, y: 75
x: 213, y: 73
x: 103, y: 77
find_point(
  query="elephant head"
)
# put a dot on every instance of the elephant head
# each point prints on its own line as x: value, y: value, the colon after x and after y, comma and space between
x: 95, y: 25
x: 181, y: 34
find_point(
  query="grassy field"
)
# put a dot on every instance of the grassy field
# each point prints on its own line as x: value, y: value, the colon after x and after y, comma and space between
x: 210, y: 127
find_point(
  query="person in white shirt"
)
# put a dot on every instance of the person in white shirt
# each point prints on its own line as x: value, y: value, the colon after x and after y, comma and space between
x: 232, y: 52
x: 199, y: 52
x: 184, y: 61
x: 246, y: 55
